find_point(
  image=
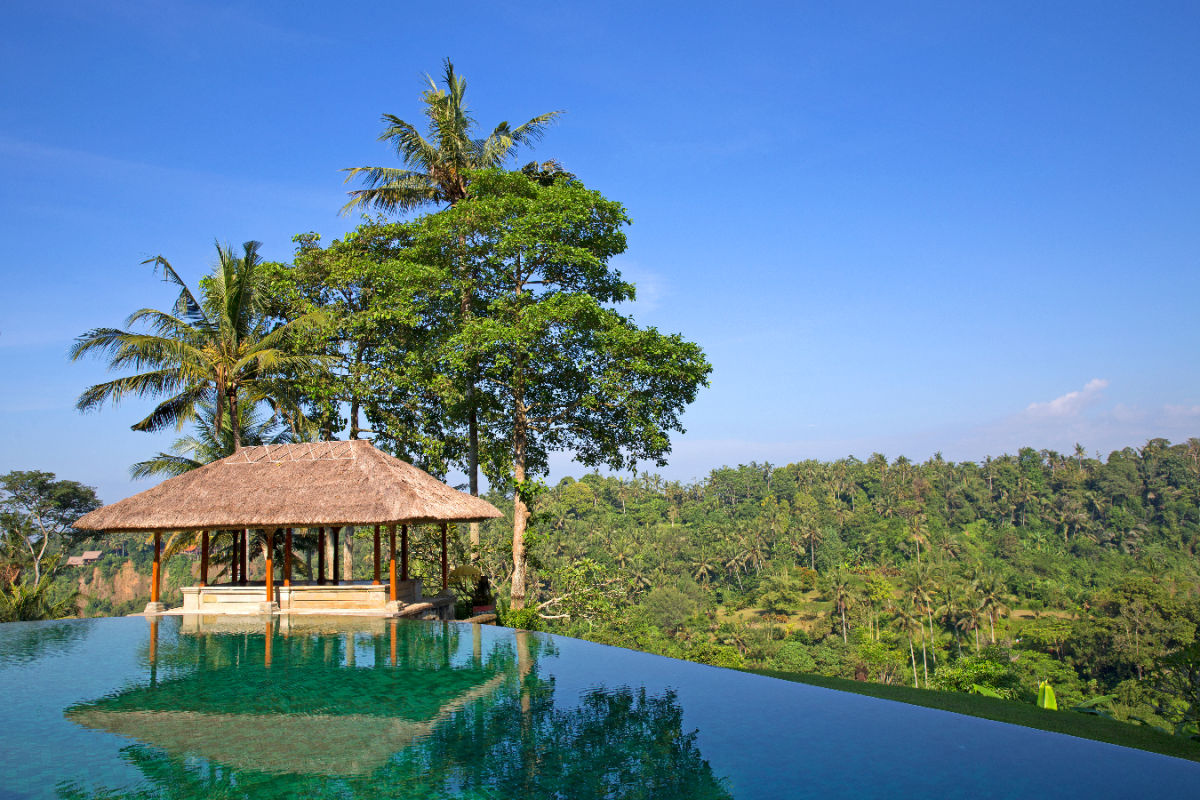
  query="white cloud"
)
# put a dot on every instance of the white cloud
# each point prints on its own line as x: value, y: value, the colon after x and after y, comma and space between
x: 1071, y: 403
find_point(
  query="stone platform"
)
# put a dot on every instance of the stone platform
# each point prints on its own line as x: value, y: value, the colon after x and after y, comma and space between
x: 348, y: 597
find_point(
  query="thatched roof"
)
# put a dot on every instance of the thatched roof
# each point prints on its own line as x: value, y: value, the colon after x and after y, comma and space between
x: 296, y: 486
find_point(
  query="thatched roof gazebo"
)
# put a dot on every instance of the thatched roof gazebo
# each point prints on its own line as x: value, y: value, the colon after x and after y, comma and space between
x: 279, y: 487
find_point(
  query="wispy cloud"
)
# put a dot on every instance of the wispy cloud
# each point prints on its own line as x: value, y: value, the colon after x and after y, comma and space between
x: 1071, y: 403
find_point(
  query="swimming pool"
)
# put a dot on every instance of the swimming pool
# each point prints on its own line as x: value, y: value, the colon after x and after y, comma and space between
x: 359, y: 707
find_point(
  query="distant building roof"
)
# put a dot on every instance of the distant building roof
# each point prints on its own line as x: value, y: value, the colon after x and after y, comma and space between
x: 75, y: 561
x: 91, y: 555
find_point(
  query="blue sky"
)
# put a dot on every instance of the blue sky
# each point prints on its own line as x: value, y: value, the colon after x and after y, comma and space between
x: 931, y: 227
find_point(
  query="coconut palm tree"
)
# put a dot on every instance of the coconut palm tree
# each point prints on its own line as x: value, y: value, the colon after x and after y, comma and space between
x: 435, y: 168
x: 219, y: 350
x: 205, y: 445
x: 839, y: 589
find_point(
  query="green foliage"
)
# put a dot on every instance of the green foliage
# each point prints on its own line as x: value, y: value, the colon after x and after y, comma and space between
x: 37, y: 515
x: 991, y: 671
x: 717, y: 655
x: 21, y: 601
x: 669, y: 607
x: 522, y: 618
x: 1177, y: 678
x: 782, y: 593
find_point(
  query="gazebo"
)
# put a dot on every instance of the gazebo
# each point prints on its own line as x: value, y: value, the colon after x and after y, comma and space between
x: 277, y: 488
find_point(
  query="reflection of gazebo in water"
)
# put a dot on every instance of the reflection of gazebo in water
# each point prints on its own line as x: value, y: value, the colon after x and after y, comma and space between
x: 325, y: 715
x: 277, y: 488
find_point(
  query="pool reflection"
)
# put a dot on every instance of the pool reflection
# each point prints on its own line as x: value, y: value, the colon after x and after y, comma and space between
x: 370, y: 707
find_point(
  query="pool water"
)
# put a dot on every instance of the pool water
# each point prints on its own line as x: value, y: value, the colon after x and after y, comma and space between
x: 357, y: 707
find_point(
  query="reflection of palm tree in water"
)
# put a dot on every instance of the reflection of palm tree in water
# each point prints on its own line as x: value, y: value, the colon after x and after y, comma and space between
x: 510, y: 740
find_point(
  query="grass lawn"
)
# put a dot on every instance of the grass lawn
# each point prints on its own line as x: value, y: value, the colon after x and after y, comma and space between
x: 1085, y: 726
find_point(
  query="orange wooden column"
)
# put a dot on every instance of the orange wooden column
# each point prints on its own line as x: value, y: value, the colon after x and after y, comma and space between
x: 392, y: 632
x: 287, y: 558
x: 403, y: 552
x: 321, y: 556
x: 204, y: 558
x: 155, y: 570
x: 392, y: 565
x: 269, y: 577
x: 267, y: 642
x: 376, y: 581
x: 445, y: 561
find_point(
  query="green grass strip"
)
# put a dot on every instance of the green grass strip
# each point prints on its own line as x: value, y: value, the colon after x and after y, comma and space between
x: 1085, y: 726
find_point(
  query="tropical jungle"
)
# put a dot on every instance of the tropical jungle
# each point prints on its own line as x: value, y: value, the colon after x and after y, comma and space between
x: 473, y: 324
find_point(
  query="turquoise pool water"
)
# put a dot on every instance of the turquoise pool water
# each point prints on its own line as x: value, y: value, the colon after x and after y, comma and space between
x: 353, y: 707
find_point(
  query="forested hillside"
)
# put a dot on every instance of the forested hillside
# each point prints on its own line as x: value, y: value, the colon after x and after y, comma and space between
x: 986, y: 577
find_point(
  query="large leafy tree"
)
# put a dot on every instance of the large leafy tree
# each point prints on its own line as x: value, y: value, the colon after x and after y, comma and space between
x: 219, y: 349
x: 37, y: 514
x: 436, y: 170
x: 381, y: 310
x: 558, y: 367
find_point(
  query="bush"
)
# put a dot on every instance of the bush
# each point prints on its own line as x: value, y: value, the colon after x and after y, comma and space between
x: 523, y: 618
x: 990, y: 671
x: 717, y: 655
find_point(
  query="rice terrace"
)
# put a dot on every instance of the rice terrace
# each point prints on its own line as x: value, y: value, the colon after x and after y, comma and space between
x: 772, y: 401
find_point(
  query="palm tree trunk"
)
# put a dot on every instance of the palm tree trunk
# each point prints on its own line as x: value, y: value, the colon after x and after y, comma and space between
x: 233, y: 421
x: 844, y: 639
x: 912, y: 653
x: 924, y: 660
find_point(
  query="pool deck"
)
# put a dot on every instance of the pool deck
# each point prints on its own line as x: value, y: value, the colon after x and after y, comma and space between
x: 349, y: 598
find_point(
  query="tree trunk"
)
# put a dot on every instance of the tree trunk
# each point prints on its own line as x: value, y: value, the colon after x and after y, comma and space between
x: 843, y: 607
x: 520, y: 511
x: 912, y: 653
x: 924, y: 659
x: 930, y: 615
x: 233, y: 421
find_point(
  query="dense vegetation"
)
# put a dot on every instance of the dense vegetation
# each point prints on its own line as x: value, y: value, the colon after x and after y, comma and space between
x: 987, y: 577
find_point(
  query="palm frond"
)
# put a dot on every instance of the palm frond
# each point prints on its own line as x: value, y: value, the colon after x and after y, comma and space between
x: 186, y: 305
x: 142, y: 385
x: 177, y: 411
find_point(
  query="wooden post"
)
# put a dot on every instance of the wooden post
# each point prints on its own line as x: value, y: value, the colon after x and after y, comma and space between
x: 153, y: 650
x: 403, y: 552
x: 392, y: 632
x: 233, y: 559
x: 337, y: 556
x: 204, y: 558
x: 245, y: 556
x: 376, y: 581
x: 392, y: 564
x: 155, y: 569
x: 445, y: 562
x: 267, y: 638
x: 321, y: 556
x: 269, y: 576
x: 287, y: 558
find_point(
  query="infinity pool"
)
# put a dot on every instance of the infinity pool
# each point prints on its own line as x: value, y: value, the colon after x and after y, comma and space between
x: 368, y: 708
